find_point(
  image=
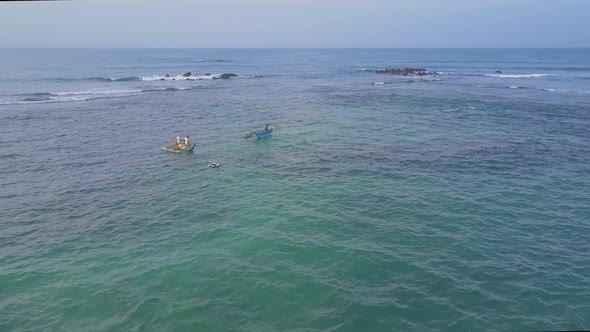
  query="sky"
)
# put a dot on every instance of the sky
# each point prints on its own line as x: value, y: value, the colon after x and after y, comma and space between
x: 296, y: 23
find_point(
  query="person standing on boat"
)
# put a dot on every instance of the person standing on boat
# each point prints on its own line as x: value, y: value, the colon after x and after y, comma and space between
x: 186, y: 141
x: 178, y: 139
x: 266, y: 127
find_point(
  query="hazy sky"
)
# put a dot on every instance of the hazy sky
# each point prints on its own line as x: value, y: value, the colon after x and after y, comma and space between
x: 296, y: 23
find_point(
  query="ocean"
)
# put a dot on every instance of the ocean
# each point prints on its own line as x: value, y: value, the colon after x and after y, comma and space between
x: 454, y: 201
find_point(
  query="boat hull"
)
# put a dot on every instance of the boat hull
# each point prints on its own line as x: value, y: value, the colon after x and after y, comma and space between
x: 171, y: 150
x: 263, y: 134
x: 180, y: 148
x: 183, y: 147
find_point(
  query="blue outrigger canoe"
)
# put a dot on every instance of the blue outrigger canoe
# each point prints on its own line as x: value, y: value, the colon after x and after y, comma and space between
x: 262, y: 134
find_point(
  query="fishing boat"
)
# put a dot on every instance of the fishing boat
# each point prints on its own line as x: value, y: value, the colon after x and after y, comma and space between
x: 263, y: 134
x: 169, y: 149
x: 185, y: 147
x: 260, y: 133
x: 179, y: 147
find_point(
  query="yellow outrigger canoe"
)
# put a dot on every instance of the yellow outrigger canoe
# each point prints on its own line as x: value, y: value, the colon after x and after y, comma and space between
x: 179, y: 147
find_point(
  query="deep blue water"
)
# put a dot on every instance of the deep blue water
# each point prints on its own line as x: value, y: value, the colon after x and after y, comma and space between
x: 456, y: 201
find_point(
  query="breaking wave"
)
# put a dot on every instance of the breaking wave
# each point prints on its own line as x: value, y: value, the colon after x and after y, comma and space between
x: 179, y: 77
x: 497, y: 75
x: 56, y: 97
x: 518, y: 75
x: 458, y: 73
x: 99, y: 79
x: 567, y: 91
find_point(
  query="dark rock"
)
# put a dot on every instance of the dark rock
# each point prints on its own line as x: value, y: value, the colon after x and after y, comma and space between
x: 161, y: 79
x: 208, y: 74
x: 189, y: 74
x: 498, y: 72
x: 167, y: 75
x: 227, y: 75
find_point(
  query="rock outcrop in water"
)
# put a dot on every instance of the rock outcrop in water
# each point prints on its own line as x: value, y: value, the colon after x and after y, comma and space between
x: 405, y: 71
x: 227, y: 75
x: 189, y: 74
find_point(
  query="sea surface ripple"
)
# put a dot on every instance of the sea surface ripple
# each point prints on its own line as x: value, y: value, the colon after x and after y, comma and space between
x: 447, y: 203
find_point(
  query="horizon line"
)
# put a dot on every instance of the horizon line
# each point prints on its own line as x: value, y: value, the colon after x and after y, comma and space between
x: 293, y: 48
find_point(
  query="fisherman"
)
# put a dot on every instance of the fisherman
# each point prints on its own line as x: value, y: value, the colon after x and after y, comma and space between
x: 186, y: 141
x: 266, y: 127
x: 178, y: 139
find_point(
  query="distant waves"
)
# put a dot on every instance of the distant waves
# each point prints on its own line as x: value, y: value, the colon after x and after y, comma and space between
x: 405, y: 80
x: 120, y: 91
x: 497, y: 74
x: 52, y: 97
x: 488, y: 79
x: 166, y: 77
x: 500, y: 75
x: 518, y: 75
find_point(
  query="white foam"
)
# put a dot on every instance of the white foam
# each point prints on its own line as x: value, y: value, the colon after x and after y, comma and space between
x: 70, y: 96
x: 378, y: 83
x: 179, y: 78
x: 567, y: 91
x: 252, y: 76
x: 518, y: 75
x: 96, y: 92
x: 48, y: 100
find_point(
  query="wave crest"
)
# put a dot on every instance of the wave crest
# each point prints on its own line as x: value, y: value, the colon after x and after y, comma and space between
x: 166, y: 77
x: 518, y: 75
x: 55, y: 97
x: 188, y: 78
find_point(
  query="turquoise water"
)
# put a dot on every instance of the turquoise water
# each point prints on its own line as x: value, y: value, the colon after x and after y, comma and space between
x: 452, y: 202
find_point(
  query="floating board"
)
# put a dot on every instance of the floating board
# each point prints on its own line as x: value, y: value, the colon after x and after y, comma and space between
x: 171, y: 150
